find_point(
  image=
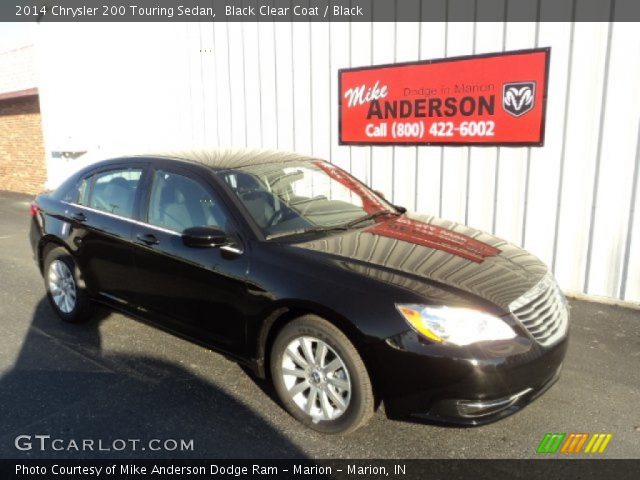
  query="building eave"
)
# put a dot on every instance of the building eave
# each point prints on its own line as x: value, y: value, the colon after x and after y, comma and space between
x: 29, y: 92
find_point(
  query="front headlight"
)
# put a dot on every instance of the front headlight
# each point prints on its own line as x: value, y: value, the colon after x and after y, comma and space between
x: 460, y: 326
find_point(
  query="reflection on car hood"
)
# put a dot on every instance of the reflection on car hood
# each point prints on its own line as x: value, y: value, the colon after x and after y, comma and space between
x: 410, y: 248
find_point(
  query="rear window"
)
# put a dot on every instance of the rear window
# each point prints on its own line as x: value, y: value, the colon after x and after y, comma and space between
x: 115, y: 191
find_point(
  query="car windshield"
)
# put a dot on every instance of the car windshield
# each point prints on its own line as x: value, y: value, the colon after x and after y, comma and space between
x: 299, y: 197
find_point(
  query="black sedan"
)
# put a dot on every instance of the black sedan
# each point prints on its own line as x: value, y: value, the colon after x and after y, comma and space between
x: 292, y: 267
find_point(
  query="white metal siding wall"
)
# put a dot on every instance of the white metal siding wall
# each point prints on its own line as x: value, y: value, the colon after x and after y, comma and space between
x: 573, y: 202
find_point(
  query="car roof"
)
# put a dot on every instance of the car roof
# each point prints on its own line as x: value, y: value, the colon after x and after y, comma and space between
x: 224, y: 159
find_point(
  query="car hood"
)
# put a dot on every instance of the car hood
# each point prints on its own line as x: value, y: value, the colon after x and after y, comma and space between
x: 425, y: 253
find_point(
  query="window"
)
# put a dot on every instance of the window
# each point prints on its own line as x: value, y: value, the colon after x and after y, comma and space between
x: 300, y: 195
x: 178, y: 202
x: 115, y: 191
x: 77, y: 193
x: 301, y: 183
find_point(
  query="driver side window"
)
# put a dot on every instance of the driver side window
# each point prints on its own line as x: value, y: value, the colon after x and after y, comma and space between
x: 177, y: 202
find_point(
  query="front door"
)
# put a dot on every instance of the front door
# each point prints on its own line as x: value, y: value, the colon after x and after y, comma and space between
x: 200, y: 291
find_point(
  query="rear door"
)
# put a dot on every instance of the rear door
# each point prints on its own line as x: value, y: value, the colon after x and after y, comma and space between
x: 102, y: 219
x: 200, y: 291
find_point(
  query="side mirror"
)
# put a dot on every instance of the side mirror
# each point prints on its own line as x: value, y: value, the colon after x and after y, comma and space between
x: 203, y: 237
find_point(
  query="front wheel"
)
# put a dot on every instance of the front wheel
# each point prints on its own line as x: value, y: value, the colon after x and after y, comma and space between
x: 320, y: 377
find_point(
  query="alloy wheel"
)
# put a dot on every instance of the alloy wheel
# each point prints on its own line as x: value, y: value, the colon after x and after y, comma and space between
x: 62, y: 286
x: 316, y: 378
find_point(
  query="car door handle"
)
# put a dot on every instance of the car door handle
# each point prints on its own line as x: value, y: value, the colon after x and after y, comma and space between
x: 79, y: 217
x: 148, y: 238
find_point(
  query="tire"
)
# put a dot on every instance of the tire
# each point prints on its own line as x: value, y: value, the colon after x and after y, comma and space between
x: 65, y: 292
x: 343, y: 399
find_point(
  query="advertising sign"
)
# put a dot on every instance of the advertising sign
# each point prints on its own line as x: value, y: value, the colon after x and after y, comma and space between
x: 491, y: 99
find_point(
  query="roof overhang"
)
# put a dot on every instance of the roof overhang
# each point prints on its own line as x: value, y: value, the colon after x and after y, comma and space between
x: 29, y: 92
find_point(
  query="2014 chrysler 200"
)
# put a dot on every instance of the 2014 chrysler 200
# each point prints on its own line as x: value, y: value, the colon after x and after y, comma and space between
x: 293, y: 267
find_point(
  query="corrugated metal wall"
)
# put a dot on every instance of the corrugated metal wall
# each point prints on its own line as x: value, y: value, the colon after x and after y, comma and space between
x: 573, y: 202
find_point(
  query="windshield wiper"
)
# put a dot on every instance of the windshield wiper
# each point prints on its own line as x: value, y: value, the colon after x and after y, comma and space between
x: 302, y: 231
x: 371, y: 216
x: 329, y: 228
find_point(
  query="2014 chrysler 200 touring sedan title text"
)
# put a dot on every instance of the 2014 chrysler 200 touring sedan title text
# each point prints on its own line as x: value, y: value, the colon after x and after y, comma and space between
x: 290, y: 265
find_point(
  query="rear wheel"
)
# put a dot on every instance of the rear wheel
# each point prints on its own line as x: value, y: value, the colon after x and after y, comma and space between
x: 320, y: 377
x: 67, y: 297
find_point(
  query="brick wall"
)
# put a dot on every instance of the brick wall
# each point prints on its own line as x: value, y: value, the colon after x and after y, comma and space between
x: 22, y: 157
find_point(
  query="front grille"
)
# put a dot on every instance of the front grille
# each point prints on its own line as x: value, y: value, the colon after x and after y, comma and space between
x: 543, y: 311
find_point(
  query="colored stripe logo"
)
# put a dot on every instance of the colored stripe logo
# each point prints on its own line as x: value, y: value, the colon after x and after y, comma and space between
x: 574, y: 443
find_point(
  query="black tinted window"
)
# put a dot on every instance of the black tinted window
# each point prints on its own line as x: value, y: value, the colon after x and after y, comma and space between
x: 115, y: 191
x: 178, y: 202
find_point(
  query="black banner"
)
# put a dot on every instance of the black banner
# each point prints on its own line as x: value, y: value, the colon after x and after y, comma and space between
x: 318, y: 10
x: 319, y: 469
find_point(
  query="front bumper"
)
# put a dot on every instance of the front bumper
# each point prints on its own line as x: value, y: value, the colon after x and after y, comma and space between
x: 470, y: 386
x: 481, y: 412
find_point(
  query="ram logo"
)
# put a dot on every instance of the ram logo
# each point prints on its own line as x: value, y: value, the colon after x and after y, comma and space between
x: 518, y: 98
